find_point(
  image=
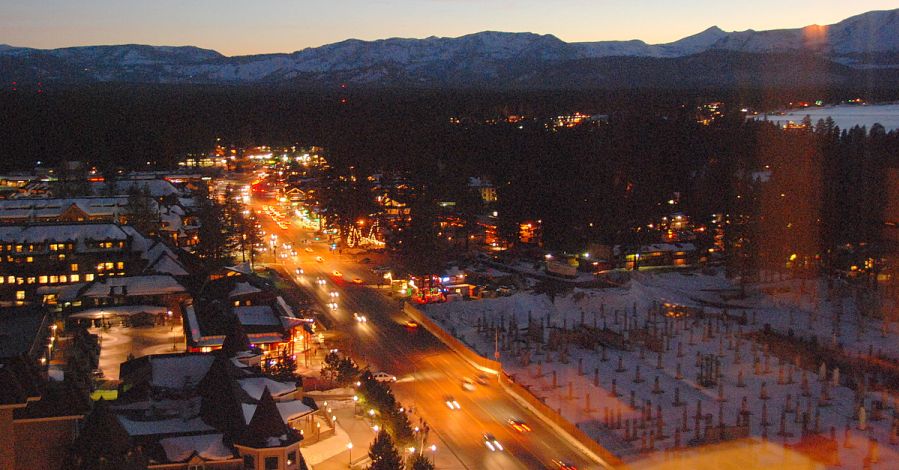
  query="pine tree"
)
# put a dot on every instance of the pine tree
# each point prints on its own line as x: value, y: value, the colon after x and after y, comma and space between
x: 383, y: 454
x: 420, y: 462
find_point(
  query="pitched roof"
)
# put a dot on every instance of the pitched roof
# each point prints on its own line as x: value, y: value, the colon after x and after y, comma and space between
x: 102, y: 435
x: 207, y: 446
x: 267, y: 427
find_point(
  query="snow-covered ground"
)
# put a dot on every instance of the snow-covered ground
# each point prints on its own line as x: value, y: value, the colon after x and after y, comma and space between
x: 689, y: 330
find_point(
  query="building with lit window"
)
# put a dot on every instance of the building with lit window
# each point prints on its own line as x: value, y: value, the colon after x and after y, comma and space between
x: 67, y: 210
x: 32, y: 256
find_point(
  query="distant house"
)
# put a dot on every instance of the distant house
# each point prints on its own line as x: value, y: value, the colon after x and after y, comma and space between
x: 657, y: 254
x: 484, y: 188
x: 268, y: 321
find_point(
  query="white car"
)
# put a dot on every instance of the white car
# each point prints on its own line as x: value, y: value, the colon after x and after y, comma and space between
x: 320, y: 281
x: 334, y: 294
x: 384, y: 377
x: 332, y: 305
x: 452, y: 404
x: 299, y: 271
x: 492, y: 443
x: 360, y: 318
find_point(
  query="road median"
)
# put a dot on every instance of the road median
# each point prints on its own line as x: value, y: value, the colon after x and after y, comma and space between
x: 590, y: 447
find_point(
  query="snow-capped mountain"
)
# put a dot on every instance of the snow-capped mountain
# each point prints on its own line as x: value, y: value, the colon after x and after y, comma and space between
x: 487, y: 58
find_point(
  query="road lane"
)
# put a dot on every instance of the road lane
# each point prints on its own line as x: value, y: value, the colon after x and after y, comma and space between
x: 427, y: 370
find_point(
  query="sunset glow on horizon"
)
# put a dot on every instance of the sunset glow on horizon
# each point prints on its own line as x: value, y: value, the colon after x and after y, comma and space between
x: 272, y: 26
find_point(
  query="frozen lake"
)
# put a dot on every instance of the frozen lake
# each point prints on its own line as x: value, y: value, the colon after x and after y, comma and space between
x: 846, y: 116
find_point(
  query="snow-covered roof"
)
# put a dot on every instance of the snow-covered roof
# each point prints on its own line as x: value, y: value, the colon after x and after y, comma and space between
x: 243, y: 288
x: 207, y: 446
x: 255, y: 385
x: 64, y: 292
x: 260, y: 315
x: 53, y: 207
x: 289, y: 410
x: 61, y: 233
x: 174, y: 372
x: 121, y: 311
x: 167, y: 264
x: 163, y: 426
x: 667, y: 247
x: 156, y: 187
x: 134, y: 286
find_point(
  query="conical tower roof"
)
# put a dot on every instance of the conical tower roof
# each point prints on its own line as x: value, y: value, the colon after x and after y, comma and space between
x: 267, y: 427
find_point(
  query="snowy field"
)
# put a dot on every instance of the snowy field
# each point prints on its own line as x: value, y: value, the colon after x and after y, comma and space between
x: 631, y: 366
x: 846, y: 116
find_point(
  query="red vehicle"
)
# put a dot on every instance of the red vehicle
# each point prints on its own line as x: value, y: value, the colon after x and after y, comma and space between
x: 519, y: 425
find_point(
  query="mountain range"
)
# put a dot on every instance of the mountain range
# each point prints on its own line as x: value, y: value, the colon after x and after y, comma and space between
x: 863, y: 45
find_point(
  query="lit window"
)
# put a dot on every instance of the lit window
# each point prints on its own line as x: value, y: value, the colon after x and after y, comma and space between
x: 20, y: 280
x: 75, y: 277
x: 120, y: 265
x: 54, y: 279
x: 2, y: 280
x: 10, y: 279
x: 89, y: 277
x: 30, y: 280
x: 20, y: 295
x: 29, y: 259
x: 42, y: 279
x: 61, y: 256
x: 63, y: 278
x: 18, y: 248
x: 74, y: 267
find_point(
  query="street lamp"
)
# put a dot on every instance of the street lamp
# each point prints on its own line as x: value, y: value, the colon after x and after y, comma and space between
x: 349, y: 447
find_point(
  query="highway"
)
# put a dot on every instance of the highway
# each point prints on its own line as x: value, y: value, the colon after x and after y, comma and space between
x: 427, y: 371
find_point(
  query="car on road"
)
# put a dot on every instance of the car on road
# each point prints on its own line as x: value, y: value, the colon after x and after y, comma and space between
x: 307, y: 250
x: 319, y: 259
x: 519, y: 425
x: 563, y: 465
x: 293, y: 253
x: 357, y: 281
x: 332, y: 305
x: 411, y: 324
x: 383, y: 377
x: 452, y: 404
x: 492, y: 443
x: 283, y: 254
x: 360, y: 318
x: 467, y: 385
x: 336, y: 273
x: 299, y: 271
x: 320, y: 281
x: 482, y: 379
x: 334, y: 294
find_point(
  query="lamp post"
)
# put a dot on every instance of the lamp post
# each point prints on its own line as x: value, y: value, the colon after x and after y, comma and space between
x: 349, y: 447
x: 171, y: 328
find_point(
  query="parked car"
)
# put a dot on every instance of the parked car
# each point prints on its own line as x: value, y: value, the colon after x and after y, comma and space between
x: 384, y: 377
x: 467, y: 384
